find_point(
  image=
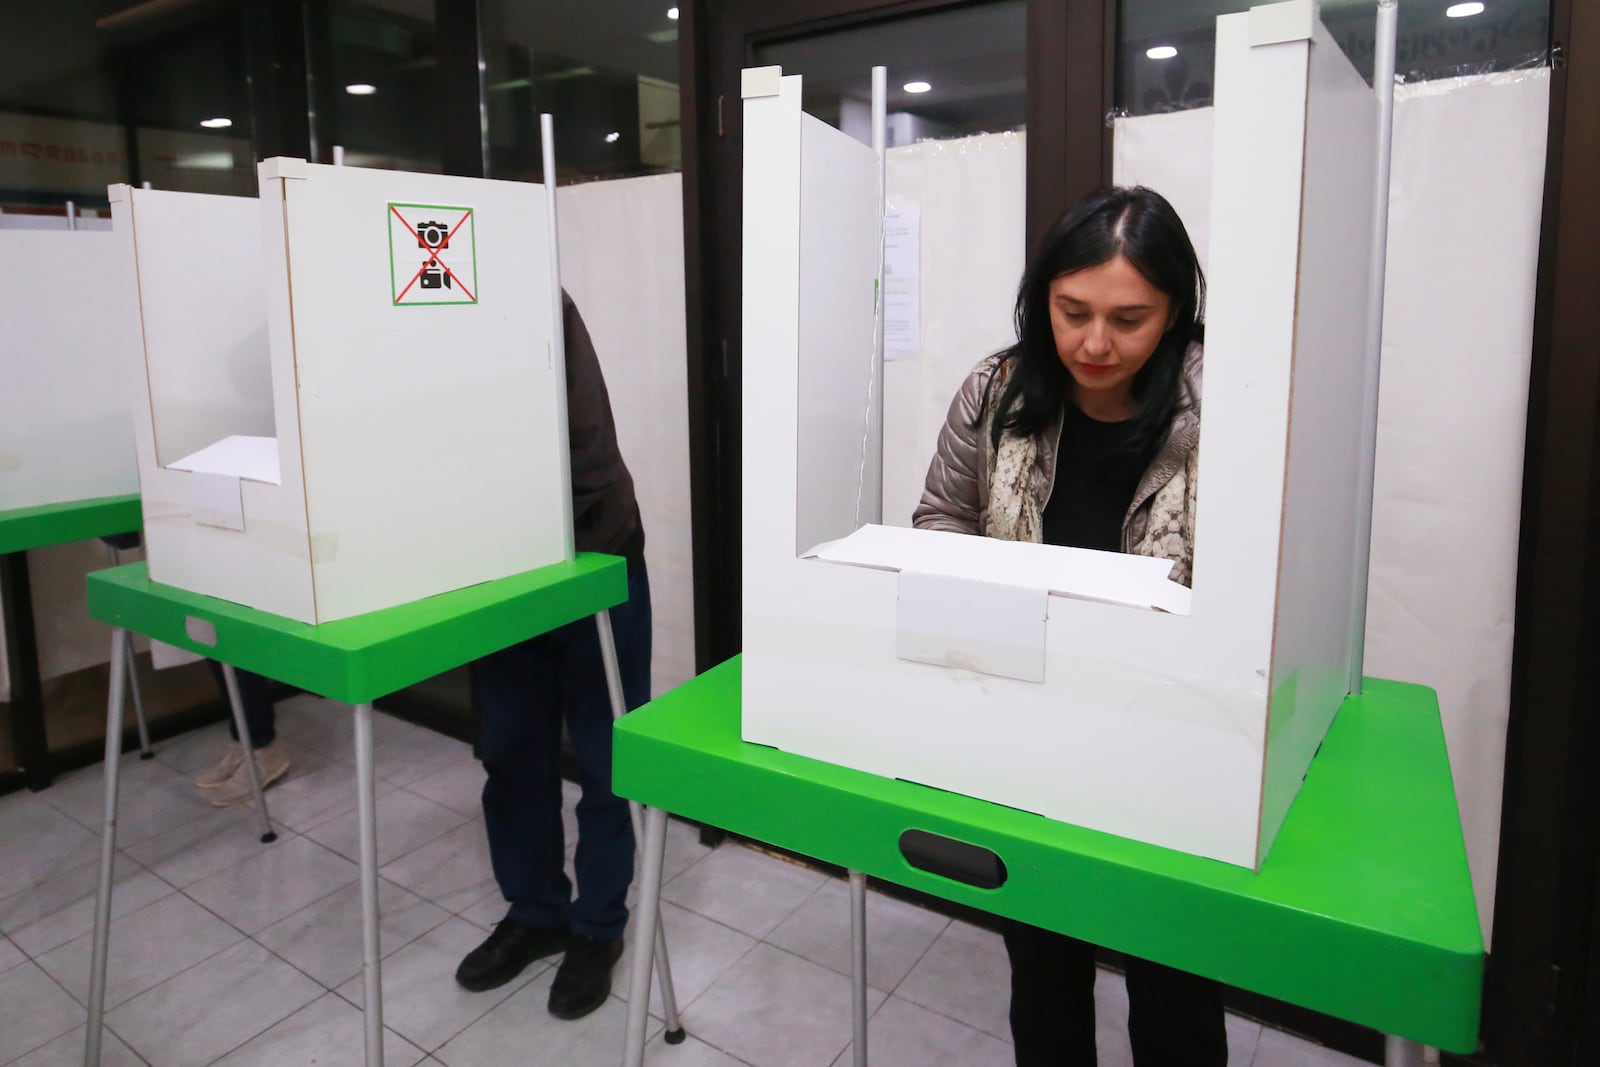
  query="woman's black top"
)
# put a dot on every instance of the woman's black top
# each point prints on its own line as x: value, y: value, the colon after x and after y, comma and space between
x: 1094, y: 484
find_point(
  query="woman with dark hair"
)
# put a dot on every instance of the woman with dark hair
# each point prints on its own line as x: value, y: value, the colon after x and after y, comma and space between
x: 1085, y: 433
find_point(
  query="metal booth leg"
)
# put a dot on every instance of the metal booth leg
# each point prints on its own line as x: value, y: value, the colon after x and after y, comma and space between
x: 230, y: 681
x: 669, y: 1000
x: 858, y: 965
x: 655, y: 847
x: 108, y: 850
x: 367, y: 819
x: 133, y: 678
x: 1398, y: 1052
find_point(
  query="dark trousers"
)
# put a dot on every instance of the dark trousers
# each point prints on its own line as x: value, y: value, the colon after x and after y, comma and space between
x: 1175, y: 1019
x: 255, y: 693
x: 523, y: 695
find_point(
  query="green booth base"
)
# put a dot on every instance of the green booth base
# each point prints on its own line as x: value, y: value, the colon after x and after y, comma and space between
x: 360, y: 659
x: 1363, y: 910
x: 74, y: 520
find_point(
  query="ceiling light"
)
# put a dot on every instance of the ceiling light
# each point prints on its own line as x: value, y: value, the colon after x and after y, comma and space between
x: 1461, y: 11
x: 916, y: 87
x: 613, y: 137
x: 360, y: 89
x: 672, y: 12
x: 216, y: 124
x: 1161, y: 51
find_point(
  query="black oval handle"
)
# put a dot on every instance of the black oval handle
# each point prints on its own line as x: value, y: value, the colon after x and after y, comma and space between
x: 957, y: 860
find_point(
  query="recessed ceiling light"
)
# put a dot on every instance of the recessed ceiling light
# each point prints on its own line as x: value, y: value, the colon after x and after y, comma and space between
x: 1461, y: 11
x: 672, y: 12
x: 916, y: 87
x: 1161, y: 51
x: 360, y: 89
x: 613, y: 137
x: 216, y: 124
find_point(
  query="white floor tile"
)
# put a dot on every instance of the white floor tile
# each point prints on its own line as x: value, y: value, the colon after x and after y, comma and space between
x: 329, y: 1031
x: 274, y: 883
x: 194, y: 1018
x: 67, y: 1051
x: 421, y: 1000
x: 683, y: 850
x: 37, y: 842
x: 966, y: 976
x: 1278, y: 1049
x: 701, y: 951
x: 1244, y: 1035
x: 743, y: 888
x: 458, y: 785
x: 147, y: 947
x: 772, y: 1009
x: 522, y: 1031
x: 152, y: 798
x: 314, y: 794
x: 193, y: 752
x: 10, y: 955
x: 37, y: 1011
x: 184, y: 855
x: 405, y: 823
x: 54, y: 912
x: 691, y: 1052
x: 403, y: 752
x: 452, y: 870
x: 898, y: 933
x: 323, y: 939
x: 901, y: 1034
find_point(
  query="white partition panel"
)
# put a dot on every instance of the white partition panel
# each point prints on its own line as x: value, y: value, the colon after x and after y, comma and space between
x: 622, y: 262
x: 1151, y: 724
x: 65, y: 428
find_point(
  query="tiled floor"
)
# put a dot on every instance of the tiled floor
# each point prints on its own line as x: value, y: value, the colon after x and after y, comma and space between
x: 226, y: 951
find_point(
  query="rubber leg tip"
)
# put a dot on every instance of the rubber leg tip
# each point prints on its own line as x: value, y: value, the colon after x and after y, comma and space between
x: 267, y: 839
x: 675, y: 1037
x: 147, y: 755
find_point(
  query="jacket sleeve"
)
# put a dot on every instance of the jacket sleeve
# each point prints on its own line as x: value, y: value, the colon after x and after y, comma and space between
x: 952, y: 495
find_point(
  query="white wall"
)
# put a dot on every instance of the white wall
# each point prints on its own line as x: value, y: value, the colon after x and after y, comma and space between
x: 1458, y: 322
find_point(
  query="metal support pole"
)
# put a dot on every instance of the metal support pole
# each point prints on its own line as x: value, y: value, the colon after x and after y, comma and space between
x: 230, y: 681
x: 674, y: 1034
x: 1383, y: 86
x: 858, y: 965
x: 108, y: 851
x: 655, y: 847
x: 1398, y: 1052
x: 558, y: 337
x: 145, y: 752
x: 367, y: 820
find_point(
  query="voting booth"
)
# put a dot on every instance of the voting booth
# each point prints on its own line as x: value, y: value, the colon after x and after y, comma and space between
x: 66, y: 431
x: 352, y: 392
x: 1082, y: 686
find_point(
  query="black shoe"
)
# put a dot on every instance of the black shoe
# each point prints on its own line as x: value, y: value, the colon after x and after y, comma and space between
x: 506, y: 952
x: 583, y: 981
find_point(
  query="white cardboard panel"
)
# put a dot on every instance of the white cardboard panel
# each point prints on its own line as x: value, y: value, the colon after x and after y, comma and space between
x: 1316, y: 591
x: 431, y: 449
x: 976, y: 626
x: 1449, y: 469
x: 622, y: 263
x: 65, y: 429
x: 841, y: 461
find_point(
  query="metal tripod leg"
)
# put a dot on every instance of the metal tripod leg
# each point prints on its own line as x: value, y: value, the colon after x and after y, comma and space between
x: 133, y: 679
x: 367, y: 826
x: 231, y: 682
x: 669, y: 1001
x: 108, y: 851
x: 858, y: 966
x: 1398, y: 1052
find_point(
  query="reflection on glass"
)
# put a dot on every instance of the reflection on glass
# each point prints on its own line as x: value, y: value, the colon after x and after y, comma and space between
x: 375, y: 78
x: 1167, y: 51
x: 951, y: 73
x: 608, y: 73
x: 151, y: 93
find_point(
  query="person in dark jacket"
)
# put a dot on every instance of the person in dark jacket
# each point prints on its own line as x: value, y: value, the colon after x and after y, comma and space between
x: 523, y: 695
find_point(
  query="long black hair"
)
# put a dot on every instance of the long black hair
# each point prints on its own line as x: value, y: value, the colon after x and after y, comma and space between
x: 1138, y: 224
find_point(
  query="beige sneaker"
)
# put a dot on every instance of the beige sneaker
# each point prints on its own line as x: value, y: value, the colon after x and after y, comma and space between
x: 272, y: 763
x: 218, y: 773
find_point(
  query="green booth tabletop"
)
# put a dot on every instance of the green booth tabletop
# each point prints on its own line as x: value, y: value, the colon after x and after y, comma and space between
x: 75, y: 520
x: 1363, y: 910
x: 360, y: 659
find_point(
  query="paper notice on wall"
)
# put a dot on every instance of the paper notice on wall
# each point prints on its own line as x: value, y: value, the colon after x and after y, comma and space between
x: 902, y: 263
